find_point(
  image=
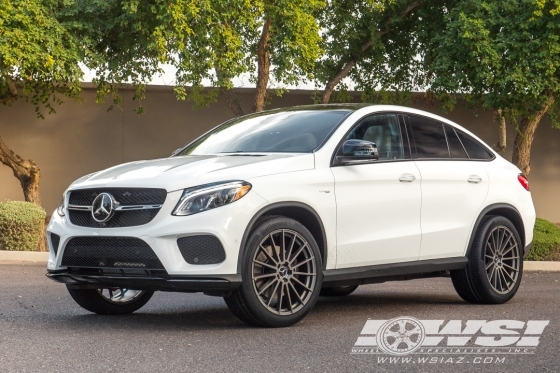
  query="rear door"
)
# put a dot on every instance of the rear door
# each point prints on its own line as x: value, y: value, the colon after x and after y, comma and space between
x: 454, y: 187
x: 378, y: 203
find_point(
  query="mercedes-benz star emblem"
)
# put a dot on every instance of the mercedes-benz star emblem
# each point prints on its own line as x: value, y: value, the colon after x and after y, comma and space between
x: 103, y: 207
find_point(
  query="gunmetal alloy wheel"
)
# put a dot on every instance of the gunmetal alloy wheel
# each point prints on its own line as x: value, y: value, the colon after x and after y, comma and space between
x: 110, y: 301
x: 120, y: 295
x: 495, y: 268
x: 502, y: 259
x: 284, y: 271
x: 281, y: 274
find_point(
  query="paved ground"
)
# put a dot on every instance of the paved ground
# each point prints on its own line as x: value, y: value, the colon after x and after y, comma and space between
x: 42, y: 330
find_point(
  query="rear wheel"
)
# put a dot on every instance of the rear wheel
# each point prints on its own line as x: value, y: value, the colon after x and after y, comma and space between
x: 338, y: 291
x: 495, y: 266
x: 281, y: 276
x: 111, y: 301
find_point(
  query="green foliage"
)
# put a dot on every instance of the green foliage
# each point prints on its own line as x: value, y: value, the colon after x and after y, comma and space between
x: 501, y: 54
x: 39, y: 56
x: 546, y: 241
x: 381, y: 38
x: 21, y: 224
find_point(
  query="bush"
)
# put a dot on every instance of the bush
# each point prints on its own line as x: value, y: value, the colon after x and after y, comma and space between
x: 21, y: 224
x: 546, y: 241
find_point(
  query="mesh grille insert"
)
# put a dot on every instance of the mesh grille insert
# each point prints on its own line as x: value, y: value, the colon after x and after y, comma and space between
x: 125, y: 196
x: 109, y: 252
x: 120, y: 219
x: 204, y: 249
x: 55, y: 240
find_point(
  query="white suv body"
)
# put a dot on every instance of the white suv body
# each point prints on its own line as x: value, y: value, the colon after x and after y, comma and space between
x: 413, y: 211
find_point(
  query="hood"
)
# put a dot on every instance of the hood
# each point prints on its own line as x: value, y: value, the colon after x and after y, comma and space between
x: 182, y: 172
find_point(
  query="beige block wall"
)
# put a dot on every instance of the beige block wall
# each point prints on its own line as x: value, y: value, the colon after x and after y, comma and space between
x: 83, y: 138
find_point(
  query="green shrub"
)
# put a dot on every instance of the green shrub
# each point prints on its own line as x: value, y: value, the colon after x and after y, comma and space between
x: 21, y: 224
x: 546, y: 241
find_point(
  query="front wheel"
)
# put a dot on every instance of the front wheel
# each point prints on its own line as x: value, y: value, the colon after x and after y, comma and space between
x: 281, y: 276
x: 111, y: 301
x: 495, y: 266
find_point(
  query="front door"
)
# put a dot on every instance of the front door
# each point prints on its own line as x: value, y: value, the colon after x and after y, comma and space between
x: 378, y: 203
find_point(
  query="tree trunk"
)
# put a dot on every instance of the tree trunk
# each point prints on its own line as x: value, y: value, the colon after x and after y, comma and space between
x: 28, y: 174
x: 501, y: 145
x: 524, y: 139
x: 263, y: 71
x: 346, y: 66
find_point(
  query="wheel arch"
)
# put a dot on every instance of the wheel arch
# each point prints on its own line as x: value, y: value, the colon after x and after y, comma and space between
x: 499, y: 209
x: 298, y: 211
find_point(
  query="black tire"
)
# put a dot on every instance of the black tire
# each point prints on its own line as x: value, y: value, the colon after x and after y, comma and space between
x: 293, y: 271
x: 338, y: 291
x: 93, y: 301
x: 495, y: 267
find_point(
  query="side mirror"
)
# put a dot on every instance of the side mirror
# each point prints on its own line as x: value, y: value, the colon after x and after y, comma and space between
x: 356, y: 151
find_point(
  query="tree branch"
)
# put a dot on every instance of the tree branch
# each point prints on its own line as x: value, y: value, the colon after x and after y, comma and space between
x: 353, y: 59
x: 233, y: 101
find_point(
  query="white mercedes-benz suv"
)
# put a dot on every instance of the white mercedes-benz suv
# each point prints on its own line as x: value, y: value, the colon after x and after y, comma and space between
x: 272, y: 209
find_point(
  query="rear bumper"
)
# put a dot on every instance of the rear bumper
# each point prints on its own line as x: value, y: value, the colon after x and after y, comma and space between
x: 162, y: 282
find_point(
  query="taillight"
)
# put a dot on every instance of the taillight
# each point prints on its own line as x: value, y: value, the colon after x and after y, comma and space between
x: 523, y: 181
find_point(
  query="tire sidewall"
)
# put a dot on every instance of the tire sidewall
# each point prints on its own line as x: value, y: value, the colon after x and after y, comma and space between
x: 265, y: 316
x: 478, y: 262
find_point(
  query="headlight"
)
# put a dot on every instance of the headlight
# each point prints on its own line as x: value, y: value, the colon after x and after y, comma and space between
x: 207, y: 197
x: 60, y: 208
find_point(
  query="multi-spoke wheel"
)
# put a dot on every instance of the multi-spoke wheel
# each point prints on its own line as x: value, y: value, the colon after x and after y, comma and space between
x: 502, y: 260
x: 495, y: 264
x: 281, y: 275
x: 111, y: 301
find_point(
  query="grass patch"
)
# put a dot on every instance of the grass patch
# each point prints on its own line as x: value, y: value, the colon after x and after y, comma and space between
x: 546, y: 242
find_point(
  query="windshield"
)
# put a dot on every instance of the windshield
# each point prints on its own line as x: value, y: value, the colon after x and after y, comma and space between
x: 300, y: 131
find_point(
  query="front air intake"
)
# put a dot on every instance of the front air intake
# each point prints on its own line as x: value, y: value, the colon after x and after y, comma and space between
x: 202, y: 249
x: 110, y: 252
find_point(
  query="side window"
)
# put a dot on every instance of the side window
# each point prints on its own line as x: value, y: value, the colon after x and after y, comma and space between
x: 455, y: 147
x: 384, y: 131
x: 474, y: 149
x: 429, y: 138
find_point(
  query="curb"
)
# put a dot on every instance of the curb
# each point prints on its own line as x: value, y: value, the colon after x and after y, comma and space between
x: 31, y: 256
x: 23, y: 256
x: 533, y: 266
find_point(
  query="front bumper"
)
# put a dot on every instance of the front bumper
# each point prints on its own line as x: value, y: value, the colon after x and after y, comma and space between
x: 84, y: 279
x: 226, y: 223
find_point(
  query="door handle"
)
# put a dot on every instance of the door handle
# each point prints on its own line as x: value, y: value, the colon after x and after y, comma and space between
x: 407, y: 178
x: 474, y: 179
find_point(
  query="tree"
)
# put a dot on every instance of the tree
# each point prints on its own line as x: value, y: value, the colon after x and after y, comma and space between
x: 264, y: 39
x: 38, y: 63
x: 374, y: 43
x: 504, y: 56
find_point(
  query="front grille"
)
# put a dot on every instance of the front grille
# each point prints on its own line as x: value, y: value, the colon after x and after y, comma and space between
x: 203, y: 249
x: 125, y: 197
x: 120, y: 219
x: 55, y: 240
x: 109, y: 252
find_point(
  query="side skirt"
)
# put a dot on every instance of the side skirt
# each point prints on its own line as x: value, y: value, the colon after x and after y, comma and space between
x: 392, y: 272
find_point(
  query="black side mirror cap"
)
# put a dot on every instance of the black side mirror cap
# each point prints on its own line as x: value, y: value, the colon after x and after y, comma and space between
x: 356, y: 151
